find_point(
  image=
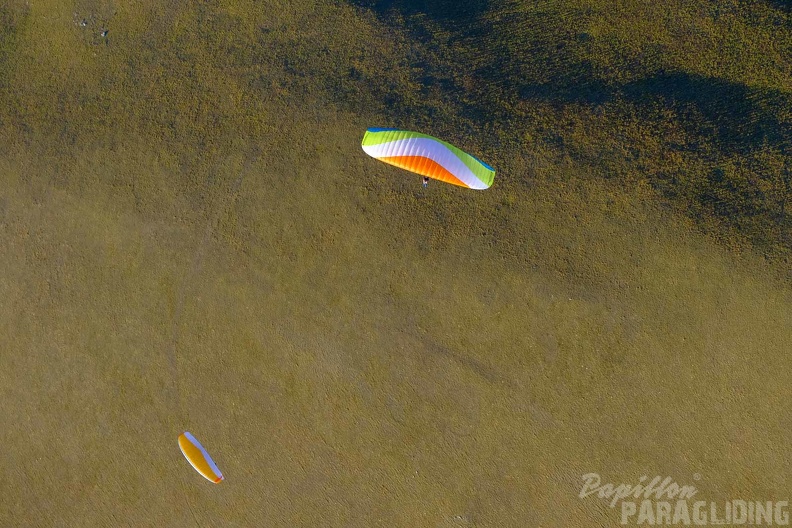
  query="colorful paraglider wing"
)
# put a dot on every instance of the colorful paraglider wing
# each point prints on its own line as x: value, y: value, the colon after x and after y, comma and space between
x: 427, y: 156
x: 197, y: 456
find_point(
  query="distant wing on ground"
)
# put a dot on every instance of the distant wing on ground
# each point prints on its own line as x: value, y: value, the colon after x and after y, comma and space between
x: 195, y: 453
x: 427, y: 156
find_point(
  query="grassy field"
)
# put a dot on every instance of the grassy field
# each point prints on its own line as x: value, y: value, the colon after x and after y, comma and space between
x: 192, y: 239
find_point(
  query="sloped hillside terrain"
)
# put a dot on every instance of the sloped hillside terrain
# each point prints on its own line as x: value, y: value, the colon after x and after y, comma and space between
x: 192, y: 239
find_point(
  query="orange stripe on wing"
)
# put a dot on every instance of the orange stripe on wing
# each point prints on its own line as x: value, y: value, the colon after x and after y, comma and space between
x: 425, y: 167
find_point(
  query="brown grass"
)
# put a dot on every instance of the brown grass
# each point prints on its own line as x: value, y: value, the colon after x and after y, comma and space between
x: 200, y: 254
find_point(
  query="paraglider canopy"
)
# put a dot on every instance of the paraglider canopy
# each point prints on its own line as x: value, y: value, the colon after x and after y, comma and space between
x: 427, y: 156
x: 197, y: 456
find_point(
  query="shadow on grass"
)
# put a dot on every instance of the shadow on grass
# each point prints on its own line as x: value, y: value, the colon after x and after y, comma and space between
x: 737, y: 121
x: 736, y: 117
x: 783, y: 5
x: 543, y: 61
x: 445, y: 11
x: 504, y: 57
x: 13, y: 17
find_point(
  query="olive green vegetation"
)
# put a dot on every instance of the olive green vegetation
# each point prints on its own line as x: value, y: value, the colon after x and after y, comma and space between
x: 193, y: 240
x: 694, y: 98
